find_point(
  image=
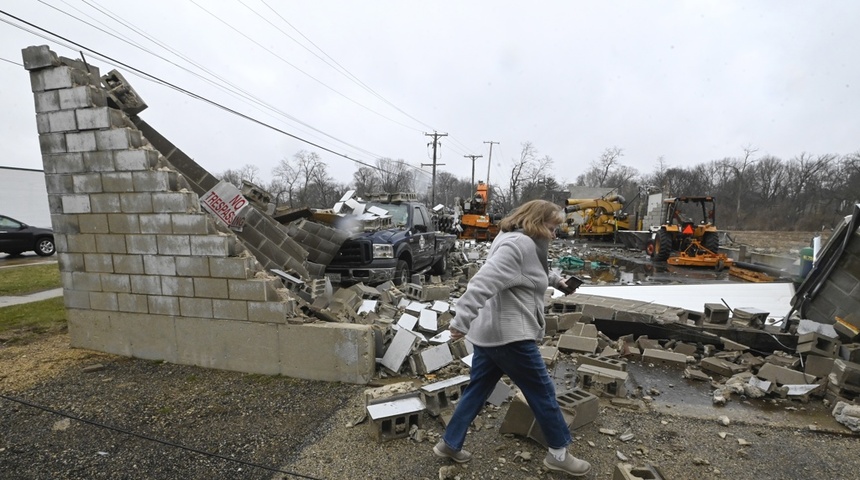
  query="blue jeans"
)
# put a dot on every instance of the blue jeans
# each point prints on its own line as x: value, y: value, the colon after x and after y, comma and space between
x: 522, y: 363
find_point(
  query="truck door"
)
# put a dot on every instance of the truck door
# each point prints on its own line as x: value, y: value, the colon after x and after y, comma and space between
x: 423, y: 237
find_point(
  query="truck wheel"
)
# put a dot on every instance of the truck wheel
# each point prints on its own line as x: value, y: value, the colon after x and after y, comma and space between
x: 401, y: 273
x: 441, y: 265
x: 662, y: 246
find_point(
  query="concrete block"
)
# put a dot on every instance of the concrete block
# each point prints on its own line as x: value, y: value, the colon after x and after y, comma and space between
x: 71, y: 262
x: 519, y: 420
x: 161, y: 305
x: 38, y: 57
x: 82, y: 243
x: 98, y: 118
x: 47, y: 102
x: 135, y: 160
x: 626, y: 471
x: 175, y: 202
x: 818, y: 366
x: 141, y: 244
x: 132, y: 303
x: 583, y: 330
x: 573, y: 343
x: 111, y: 243
x: 257, y: 289
x: 43, y: 125
x: 352, y: 356
x: 173, y: 244
x: 81, y: 142
x: 56, y: 78
x: 431, y: 359
x: 52, y: 144
x: 721, y: 366
x: 584, y: 406
x: 601, y: 361
x: 158, y: 223
x: 118, y: 182
x: 115, y: 282
x: 123, y: 223
x: 845, y: 375
x: 196, y: 307
x: 440, y: 396
x: 62, y: 121
x: 83, y: 96
x: 210, y: 287
x: 398, y: 351
x: 193, y: 267
x: 58, y: 184
x: 850, y: 352
x: 87, y: 183
x: 597, y: 311
x: 214, y: 246
x: 783, y: 375
x: 159, y: 265
x: 184, y: 224
x: 716, y: 313
x: 103, y: 301
x: 76, y: 300
x: 105, y: 203
x: 154, y: 181
x: 98, y: 262
x: 177, y: 286
x: 230, y: 309
x: 394, y: 419
x: 685, y: 349
x: 817, y: 344
x: 135, y: 202
x: 117, y: 139
x: 603, y: 380
x: 76, y: 204
x: 548, y: 354
x: 269, y: 312
x: 663, y: 357
x: 93, y: 223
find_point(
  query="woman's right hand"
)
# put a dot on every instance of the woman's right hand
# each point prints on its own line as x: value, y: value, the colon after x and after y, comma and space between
x: 456, y: 334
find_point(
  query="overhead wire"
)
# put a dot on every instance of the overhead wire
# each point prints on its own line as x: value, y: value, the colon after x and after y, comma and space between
x: 13, y: 63
x: 236, y: 91
x: 184, y: 91
x: 152, y: 439
x: 274, y: 54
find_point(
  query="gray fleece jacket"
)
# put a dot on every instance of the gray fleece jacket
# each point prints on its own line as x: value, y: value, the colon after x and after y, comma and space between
x: 504, y: 301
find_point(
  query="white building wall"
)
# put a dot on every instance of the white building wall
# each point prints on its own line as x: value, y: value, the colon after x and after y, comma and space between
x: 24, y: 197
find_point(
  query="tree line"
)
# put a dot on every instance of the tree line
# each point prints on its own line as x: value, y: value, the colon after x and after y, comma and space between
x: 752, y: 191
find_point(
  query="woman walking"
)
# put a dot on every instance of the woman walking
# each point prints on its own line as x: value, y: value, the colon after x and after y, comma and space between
x: 501, y: 314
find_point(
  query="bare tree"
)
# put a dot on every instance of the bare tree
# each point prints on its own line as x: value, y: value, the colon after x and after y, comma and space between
x: 247, y: 172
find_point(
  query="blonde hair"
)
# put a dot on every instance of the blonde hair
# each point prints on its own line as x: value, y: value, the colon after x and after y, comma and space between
x: 532, y: 218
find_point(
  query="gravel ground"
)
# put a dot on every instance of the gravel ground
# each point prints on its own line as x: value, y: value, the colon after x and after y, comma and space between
x: 301, y: 427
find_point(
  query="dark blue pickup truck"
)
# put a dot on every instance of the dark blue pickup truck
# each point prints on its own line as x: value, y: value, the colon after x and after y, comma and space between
x: 410, y: 244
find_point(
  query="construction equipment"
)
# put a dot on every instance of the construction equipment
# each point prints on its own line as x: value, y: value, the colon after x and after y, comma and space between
x: 474, y: 219
x: 600, y: 217
x: 688, y: 235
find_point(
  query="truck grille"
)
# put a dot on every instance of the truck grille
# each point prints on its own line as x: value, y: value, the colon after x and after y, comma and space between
x: 354, y: 252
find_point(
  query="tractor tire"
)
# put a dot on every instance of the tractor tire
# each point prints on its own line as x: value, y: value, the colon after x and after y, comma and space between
x: 711, y: 241
x: 401, y: 273
x: 662, y: 246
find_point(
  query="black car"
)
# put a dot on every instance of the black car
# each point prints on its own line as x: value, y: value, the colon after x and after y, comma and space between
x: 17, y: 237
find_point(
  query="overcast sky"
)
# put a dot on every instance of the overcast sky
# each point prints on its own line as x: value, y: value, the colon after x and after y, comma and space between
x: 689, y: 81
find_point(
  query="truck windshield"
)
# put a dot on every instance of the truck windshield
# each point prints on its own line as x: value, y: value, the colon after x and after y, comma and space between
x: 399, y: 212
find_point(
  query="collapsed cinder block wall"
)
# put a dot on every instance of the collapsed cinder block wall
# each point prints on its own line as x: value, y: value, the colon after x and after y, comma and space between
x: 146, y: 273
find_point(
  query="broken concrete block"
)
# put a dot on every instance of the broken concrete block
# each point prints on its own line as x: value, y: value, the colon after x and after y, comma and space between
x: 782, y: 375
x: 716, y: 313
x: 550, y: 324
x: 440, y: 306
x: 733, y: 346
x: 850, y: 352
x: 549, y: 354
x: 659, y: 356
x: 431, y: 359
x: 749, y: 317
x: 603, y: 380
x: 407, y: 321
x: 817, y: 344
x: 36, y: 57
x: 845, y: 375
x: 581, y: 404
x: 400, y: 348
x: 519, y: 420
x: 583, y: 330
x: 848, y: 415
x: 442, y: 395
x: 644, y: 342
x: 427, y: 321
x: 393, y: 419
x: 685, y: 349
x: 694, y: 374
x: 818, y: 366
x: 568, y: 320
x: 500, y: 394
x: 625, y: 471
x: 783, y: 359
x: 389, y: 392
x: 461, y: 348
x: 599, y: 312
x: 720, y: 366
x: 574, y: 343
x: 601, y: 361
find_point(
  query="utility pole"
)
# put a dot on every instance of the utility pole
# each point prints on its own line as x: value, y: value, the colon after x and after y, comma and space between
x: 489, y: 162
x: 473, y: 157
x: 435, y: 136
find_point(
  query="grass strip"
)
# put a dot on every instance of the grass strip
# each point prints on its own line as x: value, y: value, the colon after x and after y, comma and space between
x: 27, y: 321
x: 29, y: 279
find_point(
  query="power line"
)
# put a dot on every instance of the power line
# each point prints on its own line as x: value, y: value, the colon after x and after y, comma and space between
x: 152, y: 439
x: 189, y: 93
x: 13, y: 63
